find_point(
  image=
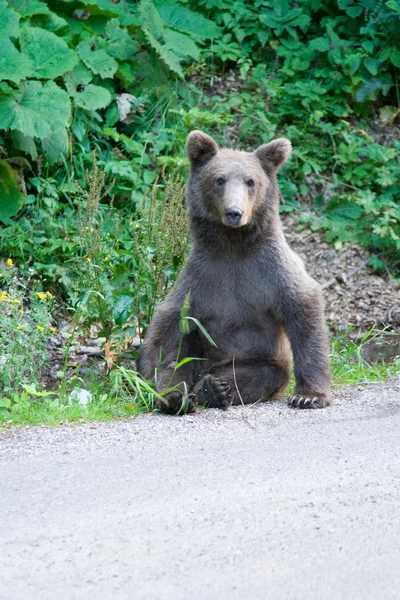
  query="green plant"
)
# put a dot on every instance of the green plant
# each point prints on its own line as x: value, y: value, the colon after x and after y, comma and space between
x: 26, y: 326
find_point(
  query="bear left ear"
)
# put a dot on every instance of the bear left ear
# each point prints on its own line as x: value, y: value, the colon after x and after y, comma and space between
x: 200, y: 147
x: 274, y: 154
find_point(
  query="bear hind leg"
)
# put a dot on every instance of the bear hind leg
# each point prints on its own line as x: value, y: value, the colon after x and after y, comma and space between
x: 247, y: 384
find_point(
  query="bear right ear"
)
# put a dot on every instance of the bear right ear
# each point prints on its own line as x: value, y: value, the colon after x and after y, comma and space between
x: 200, y: 148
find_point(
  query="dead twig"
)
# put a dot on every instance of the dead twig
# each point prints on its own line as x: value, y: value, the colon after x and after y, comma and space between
x: 343, y: 277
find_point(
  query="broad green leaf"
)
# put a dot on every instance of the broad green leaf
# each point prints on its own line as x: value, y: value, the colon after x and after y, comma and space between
x: 49, y: 53
x: 97, y: 60
x: 119, y: 44
x: 372, y: 65
x: 395, y: 57
x: 5, y: 403
x: 56, y: 145
x: 321, y: 44
x: 24, y: 143
x: 92, y: 97
x: 79, y: 76
x: 35, y: 110
x: 11, y: 197
x: 183, y: 19
x: 51, y: 22
x: 338, y: 208
x: 122, y: 309
x: 355, y: 11
x: 9, y: 21
x: 151, y: 18
x: 370, y: 89
x: 27, y: 8
x: 14, y: 66
x: 182, y: 44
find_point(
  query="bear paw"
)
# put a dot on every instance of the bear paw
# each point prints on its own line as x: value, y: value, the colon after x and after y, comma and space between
x: 213, y: 392
x: 175, y: 403
x: 308, y: 401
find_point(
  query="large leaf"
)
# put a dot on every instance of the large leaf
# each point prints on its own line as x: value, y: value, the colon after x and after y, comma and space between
x: 123, y: 308
x: 55, y: 145
x: 9, y: 21
x: 49, y: 54
x: 11, y: 197
x: 92, y: 97
x: 27, y: 8
x: 182, y: 18
x: 153, y: 29
x: 182, y: 44
x: 14, y: 66
x: 35, y: 110
x: 24, y: 143
x: 119, y: 43
x: 97, y: 59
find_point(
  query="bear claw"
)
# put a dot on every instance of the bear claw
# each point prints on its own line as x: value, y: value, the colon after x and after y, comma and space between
x: 307, y: 401
x: 213, y: 392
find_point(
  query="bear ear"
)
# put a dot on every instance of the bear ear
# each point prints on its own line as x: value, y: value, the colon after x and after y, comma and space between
x: 274, y: 154
x: 200, y: 148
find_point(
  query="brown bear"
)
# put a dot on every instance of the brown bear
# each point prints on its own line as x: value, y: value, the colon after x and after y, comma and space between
x: 247, y: 288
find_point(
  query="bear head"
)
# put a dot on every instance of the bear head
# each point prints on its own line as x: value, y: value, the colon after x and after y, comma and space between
x: 231, y: 186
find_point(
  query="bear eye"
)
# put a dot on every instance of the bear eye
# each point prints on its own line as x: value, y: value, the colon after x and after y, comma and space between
x: 250, y: 183
x: 220, y: 181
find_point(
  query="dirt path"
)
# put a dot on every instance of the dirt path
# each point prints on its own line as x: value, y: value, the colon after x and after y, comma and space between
x: 259, y: 503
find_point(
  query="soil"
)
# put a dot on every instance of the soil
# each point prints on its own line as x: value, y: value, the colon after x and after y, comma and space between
x: 355, y: 295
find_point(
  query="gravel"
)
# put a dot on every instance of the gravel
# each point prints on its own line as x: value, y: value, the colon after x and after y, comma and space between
x: 261, y: 502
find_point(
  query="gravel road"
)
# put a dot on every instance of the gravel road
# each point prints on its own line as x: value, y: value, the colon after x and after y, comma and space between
x: 256, y: 503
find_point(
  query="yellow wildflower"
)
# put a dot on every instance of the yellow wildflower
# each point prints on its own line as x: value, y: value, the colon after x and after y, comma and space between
x: 52, y: 329
x: 21, y: 326
x: 89, y: 259
x: 21, y: 311
x: 40, y: 328
x: 3, y: 296
x: 106, y: 258
x: 137, y: 225
x: 87, y: 228
x: 49, y: 295
x: 41, y: 295
x: 9, y: 261
x: 16, y: 301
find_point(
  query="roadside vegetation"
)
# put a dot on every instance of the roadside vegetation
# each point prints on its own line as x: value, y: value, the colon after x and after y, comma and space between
x: 96, y: 101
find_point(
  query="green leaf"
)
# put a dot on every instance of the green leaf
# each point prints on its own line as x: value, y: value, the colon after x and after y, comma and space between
x: 372, y: 65
x: 11, y: 197
x: 123, y: 308
x: 24, y: 143
x: 35, y: 110
x: 97, y: 60
x: 395, y: 57
x: 182, y: 44
x: 341, y: 209
x: 49, y: 54
x: 56, y: 145
x: 27, y: 8
x: 92, y: 97
x: 183, y: 19
x: 119, y: 45
x: 321, y: 44
x: 203, y: 330
x: 14, y: 66
x: 355, y: 11
x: 5, y: 403
x: 9, y: 21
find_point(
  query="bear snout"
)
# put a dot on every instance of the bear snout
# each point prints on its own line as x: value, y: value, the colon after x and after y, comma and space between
x: 233, y: 216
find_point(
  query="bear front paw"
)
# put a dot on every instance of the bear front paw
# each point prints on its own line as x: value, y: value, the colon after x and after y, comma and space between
x: 213, y: 392
x: 308, y: 401
x: 176, y: 403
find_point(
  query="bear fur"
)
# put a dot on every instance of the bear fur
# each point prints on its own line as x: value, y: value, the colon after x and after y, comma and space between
x: 247, y: 288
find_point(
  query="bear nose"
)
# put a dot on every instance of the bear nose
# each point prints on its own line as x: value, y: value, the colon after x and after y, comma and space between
x: 233, y: 216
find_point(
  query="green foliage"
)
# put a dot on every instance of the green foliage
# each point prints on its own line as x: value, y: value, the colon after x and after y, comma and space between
x: 25, y: 324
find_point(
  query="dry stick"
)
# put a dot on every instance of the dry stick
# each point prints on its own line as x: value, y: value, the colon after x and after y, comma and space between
x: 234, y: 379
x: 344, y: 277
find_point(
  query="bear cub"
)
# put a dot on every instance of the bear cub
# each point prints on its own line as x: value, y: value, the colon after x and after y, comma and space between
x: 247, y: 288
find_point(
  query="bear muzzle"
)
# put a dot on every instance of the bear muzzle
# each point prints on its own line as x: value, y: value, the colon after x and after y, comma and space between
x: 233, y: 216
